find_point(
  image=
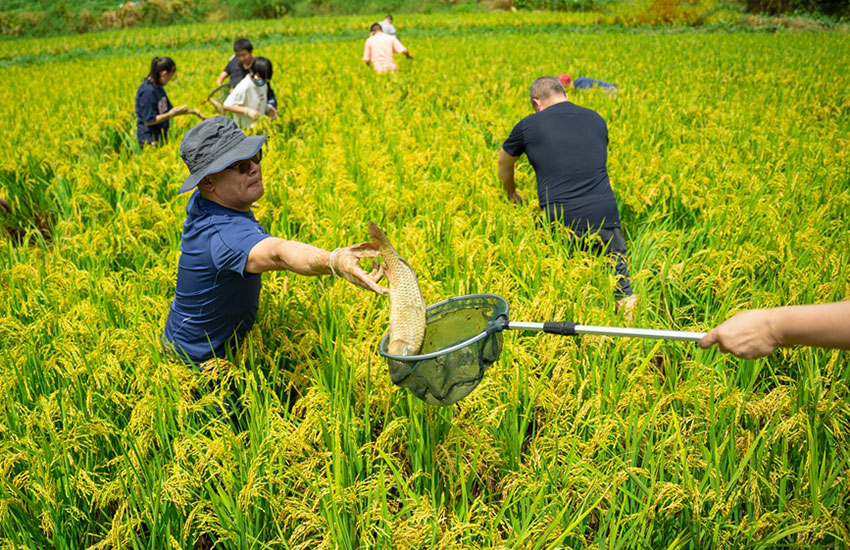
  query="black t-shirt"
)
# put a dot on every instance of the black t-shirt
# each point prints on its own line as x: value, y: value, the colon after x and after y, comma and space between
x: 237, y: 72
x: 568, y: 147
x: 150, y: 102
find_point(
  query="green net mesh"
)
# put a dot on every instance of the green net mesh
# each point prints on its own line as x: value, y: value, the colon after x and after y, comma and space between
x: 458, y: 349
x: 217, y: 97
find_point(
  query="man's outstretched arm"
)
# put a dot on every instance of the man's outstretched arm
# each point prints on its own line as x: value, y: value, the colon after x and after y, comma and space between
x: 275, y: 254
x: 758, y: 332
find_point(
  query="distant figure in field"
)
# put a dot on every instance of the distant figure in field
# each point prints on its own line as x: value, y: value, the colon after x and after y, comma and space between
x: 584, y: 83
x: 249, y: 99
x: 153, y: 109
x: 379, y: 50
x: 758, y: 332
x: 239, y: 66
x: 567, y: 146
x: 387, y: 25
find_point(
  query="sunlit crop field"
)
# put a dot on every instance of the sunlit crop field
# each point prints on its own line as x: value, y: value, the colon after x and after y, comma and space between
x: 729, y: 157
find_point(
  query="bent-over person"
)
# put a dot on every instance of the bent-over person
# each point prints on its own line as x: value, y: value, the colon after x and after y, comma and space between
x: 567, y: 145
x: 379, y: 49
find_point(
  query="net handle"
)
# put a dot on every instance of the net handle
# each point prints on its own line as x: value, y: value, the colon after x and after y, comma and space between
x: 572, y: 329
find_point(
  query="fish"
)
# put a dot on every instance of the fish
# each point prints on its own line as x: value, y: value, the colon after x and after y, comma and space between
x: 407, y: 305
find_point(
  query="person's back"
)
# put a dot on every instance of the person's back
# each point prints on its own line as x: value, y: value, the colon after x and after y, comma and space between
x: 567, y: 145
x: 379, y: 50
x: 387, y: 25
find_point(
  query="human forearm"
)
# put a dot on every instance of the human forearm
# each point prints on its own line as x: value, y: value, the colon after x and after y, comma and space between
x: 821, y: 325
x: 758, y: 332
x: 171, y: 113
x: 159, y: 119
x: 274, y: 254
x: 506, y: 175
x: 220, y: 80
x: 298, y: 257
x: 506, y: 171
x: 242, y: 110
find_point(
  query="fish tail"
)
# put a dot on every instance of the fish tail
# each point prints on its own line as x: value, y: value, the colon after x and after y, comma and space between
x: 380, y: 239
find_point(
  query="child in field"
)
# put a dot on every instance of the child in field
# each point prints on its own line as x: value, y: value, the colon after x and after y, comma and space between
x: 249, y: 99
x: 238, y: 67
x: 387, y: 25
x: 153, y: 109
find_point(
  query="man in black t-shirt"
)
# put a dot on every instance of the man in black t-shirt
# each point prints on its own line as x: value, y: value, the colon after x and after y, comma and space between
x: 567, y: 146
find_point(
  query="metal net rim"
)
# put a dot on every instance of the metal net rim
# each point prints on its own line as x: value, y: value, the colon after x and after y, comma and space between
x: 459, y: 345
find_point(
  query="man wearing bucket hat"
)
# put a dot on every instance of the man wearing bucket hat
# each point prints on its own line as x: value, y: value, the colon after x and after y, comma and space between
x: 224, y: 249
x: 567, y: 145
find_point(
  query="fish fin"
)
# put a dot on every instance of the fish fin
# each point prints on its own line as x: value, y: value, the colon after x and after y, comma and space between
x: 381, y: 241
x: 376, y: 234
x: 400, y: 347
x: 367, y: 245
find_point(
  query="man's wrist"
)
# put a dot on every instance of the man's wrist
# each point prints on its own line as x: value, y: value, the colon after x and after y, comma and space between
x: 332, y: 258
x: 779, y: 321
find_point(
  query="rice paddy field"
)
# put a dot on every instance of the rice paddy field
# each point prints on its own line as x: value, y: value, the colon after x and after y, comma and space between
x: 729, y: 158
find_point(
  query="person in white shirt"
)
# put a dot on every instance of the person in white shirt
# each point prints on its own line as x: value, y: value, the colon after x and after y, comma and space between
x: 379, y: 50
x: 387, y: 25
x: 249, y: 99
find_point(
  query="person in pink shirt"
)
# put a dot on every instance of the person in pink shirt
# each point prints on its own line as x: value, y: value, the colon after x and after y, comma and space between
x: 380, y: 48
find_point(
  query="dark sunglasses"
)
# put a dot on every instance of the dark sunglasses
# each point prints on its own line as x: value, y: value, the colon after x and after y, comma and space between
x: 244, y: 166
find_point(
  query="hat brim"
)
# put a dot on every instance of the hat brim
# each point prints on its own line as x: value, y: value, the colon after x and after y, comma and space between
x: 246, y: 149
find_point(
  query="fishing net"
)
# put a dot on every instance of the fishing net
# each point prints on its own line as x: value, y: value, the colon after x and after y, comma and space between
x: 217, y: 97
x: 462, y: 339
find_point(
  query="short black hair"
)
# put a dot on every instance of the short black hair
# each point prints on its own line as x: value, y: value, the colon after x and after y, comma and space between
x: 243, y: 44
x: 375, y: 27
x: 262, y: 67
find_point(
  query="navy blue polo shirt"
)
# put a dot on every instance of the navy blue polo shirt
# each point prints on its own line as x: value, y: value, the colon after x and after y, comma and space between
x: 151, y: 101
x: 215, y: 298
x: 567, y: 145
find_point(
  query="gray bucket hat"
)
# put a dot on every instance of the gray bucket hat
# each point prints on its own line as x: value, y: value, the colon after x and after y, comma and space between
x: 213, y: 145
